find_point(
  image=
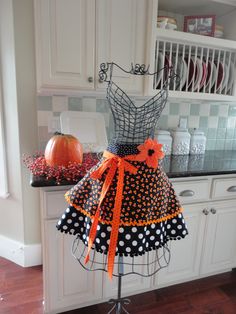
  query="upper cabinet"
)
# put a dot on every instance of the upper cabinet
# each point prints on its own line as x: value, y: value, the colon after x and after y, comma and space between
x: 65, y: 43
x: 121, y: 38
x: 74, y: 36
x: 205, y: 65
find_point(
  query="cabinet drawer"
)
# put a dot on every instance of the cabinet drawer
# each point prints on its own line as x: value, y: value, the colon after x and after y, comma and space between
x: 54, y: 203
x: 224, y: 188
x: 191, y: 191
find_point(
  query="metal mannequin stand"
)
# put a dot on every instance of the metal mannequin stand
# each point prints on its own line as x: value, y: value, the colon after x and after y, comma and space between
x: 119, y: 303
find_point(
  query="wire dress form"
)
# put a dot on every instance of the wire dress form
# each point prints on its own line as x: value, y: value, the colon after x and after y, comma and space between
x: 132, y: 124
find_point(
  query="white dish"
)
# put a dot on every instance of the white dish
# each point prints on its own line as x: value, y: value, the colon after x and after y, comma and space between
x: 226, y: 77
x: 160, y: 65
x: 88, y: 127
x: 181, y: 70
x: 231, y: 76
x: 171, y: 26
x: 212, y: 78
x: 198, y: 75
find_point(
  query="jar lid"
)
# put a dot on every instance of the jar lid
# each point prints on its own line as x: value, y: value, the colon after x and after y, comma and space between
x: 162, y: 132
x: 198, y: 132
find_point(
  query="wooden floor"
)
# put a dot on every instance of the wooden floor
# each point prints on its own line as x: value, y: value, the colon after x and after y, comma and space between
x: 21, y: 293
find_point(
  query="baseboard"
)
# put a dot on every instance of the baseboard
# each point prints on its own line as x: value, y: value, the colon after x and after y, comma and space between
x: 19, y: 253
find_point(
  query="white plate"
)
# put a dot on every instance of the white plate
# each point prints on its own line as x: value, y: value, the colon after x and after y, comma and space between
x: 213, y: 77
x: 226, y: 76
x: 88, y: 127
x: 198, y: 78
x: 181, y: 71
x: 160, y: 65
x: 231, y: 76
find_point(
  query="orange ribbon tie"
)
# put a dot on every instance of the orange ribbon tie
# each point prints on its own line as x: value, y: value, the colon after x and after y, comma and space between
x: 113, y: 162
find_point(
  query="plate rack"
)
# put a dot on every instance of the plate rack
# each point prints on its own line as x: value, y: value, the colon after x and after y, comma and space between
x: 205, y: 65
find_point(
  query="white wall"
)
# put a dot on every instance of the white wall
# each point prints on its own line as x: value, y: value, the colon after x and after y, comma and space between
x: 20, y: 220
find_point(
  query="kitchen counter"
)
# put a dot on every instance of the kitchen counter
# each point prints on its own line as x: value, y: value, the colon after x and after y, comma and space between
x: 211, y: 163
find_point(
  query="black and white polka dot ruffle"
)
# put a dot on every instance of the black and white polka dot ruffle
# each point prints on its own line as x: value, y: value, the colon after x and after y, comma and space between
x: 132, y: 241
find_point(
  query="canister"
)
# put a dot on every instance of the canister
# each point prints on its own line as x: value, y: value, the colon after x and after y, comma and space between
x: 181, y: 141
x: 198, y: 142
x: 164, y: 137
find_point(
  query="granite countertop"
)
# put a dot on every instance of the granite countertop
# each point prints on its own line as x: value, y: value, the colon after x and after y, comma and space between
x: 211, y: 163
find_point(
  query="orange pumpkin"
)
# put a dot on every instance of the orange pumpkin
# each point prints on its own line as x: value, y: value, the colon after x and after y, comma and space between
x: 62, y: 149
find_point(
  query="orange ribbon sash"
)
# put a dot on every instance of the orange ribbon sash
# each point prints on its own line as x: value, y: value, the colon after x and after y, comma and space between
x: 113, y: 163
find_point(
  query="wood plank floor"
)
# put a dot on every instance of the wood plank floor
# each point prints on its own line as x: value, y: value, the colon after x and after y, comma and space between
x: 21, y: 293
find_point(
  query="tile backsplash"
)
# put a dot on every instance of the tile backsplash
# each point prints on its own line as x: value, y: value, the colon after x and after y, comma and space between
x: 218, y: 121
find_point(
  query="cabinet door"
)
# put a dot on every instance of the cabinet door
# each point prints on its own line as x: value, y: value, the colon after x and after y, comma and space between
x: 121, y: 38
x: 219, y: 251
x: 185, y: 253
x: 131, y: 284
x: 65, y: 43
x: 66, y: 284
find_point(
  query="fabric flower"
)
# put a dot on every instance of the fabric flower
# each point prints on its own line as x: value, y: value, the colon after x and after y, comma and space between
x: 150, y: 151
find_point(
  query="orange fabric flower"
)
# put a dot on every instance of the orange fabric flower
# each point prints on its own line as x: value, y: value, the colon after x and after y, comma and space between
x: 150, y: 151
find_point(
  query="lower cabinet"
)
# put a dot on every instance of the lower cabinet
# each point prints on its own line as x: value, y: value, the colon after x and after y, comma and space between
x: 66, y: 284
x: 185, y: 253
x: 219, y: 250
x: 209, y: 248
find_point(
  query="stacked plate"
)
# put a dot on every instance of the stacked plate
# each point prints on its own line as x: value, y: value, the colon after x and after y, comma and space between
x: 196, y: 74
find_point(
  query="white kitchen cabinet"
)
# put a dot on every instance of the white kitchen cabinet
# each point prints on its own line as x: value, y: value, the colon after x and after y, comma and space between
x: 219, y: 251
x: 65, y: 43
x: 121, y: 38
x: 209, y: 248
x: 131, y: 284
x: 73, y: 37
x: 185, y: 253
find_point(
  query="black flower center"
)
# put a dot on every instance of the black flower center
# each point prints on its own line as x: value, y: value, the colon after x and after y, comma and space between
x: 151, y: 152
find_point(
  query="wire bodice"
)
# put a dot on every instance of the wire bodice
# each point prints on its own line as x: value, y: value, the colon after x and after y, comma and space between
x: 132, y: 123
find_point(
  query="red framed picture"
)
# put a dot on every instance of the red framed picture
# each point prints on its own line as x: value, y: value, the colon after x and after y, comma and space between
x: 200, y: 24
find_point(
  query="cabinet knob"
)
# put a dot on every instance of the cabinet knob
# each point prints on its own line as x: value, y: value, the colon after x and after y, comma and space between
x: 205, y: 211
x: 213, y: 211
x: 232, y: 188
x: 186, y: 193
x: 90, y: 79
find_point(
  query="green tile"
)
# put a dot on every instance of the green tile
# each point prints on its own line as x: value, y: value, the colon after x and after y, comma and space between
x: 194, y: 109
x: 44, y: 103
x: 102, y: 105
x: 214, y: 110
x: 220, y: 144
x: 230, y: 133
x: 211, y: 133
x: 234, y: 144
x: 162, y: 123
x: 232, y: 111
x: 75, y: 104
x: 222, y: 122
x: 228, y: 145
x: 210, y: 144
x: 221, y: 133
x: 174, y: 109
x: 203, y: 122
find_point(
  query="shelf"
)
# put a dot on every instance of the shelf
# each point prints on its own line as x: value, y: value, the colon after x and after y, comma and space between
x: 188, y: 38
x: 205, y: 66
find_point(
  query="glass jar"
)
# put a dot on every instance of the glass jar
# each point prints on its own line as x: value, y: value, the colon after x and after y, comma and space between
x: 198, y: 142
x: 181, y: 141
x: 163, y: 137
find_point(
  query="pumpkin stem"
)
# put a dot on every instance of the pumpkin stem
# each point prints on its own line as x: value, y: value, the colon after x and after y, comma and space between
x: 58, y: 133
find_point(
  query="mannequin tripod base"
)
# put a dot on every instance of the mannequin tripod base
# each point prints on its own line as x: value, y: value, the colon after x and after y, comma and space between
x: 118, y: 306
